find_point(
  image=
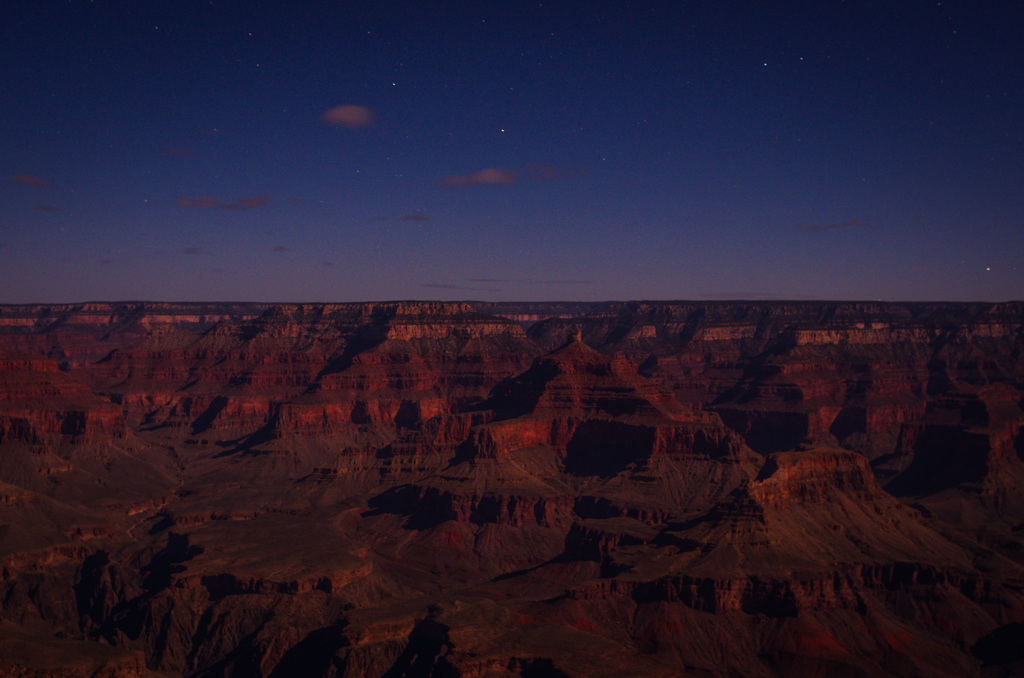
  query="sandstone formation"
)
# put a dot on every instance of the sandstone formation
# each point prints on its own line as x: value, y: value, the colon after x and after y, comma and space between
x: 570, y: 489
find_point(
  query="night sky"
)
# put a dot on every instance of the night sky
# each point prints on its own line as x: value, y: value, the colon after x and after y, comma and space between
x: 348, y: 151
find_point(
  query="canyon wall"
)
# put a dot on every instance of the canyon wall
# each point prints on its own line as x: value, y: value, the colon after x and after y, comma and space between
x: 501, y: 489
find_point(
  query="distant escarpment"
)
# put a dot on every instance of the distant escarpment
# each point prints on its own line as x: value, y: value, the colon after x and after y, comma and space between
x: 502, y: 489
x: 79, y: 334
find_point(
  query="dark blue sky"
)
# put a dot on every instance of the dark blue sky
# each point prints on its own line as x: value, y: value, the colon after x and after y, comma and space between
x: 328, y: 151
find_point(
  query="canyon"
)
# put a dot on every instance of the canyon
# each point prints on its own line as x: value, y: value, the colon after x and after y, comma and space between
x: 497, y: 489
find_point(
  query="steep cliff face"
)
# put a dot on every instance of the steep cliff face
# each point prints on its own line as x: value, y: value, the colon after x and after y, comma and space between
x: 52, y: 426
x: 857, y: 374
x: 328, y: 369
x: 407, y: 488
x: 38, y: 402
x: 844, y: 575
x: 577, y: 432
x: 78, y: 334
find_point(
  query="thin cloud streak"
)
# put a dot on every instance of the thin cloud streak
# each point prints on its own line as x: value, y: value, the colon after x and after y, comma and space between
x: 29, y: 180
x: 541, y: 171
x: 490, y: 175
x: 760, y: 293
x: 465, y: 288
x: 414, y: 217
x: 562, y: 282
x: 530, y: 281
x: 206, y: 202
x: 821, y: 228
x: 493, y: 175
x: 45, y: 208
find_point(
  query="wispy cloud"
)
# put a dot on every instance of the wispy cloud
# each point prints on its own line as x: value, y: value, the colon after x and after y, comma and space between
x: 759, y: 293
x: 494, y: 175
x: 414, y: 217
x: 206, y: 202
x: 350, y: 116
x: 530, y: 281
x: 541, y: 171
x: 821, y: 228
x: 562, y: 282
x: 250, y: 203
x: 466, y: 288
x: 29, y: 180
x: 45, y: 208
x: 280, y: 248
x: 472, y: 287
x: 484, y: 176
x: 191, y: 250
